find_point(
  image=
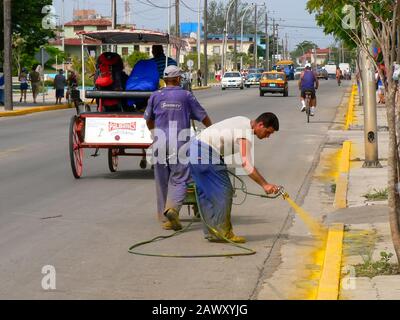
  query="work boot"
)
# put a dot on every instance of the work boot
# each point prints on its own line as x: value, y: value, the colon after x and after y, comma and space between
x: 173, y: 219
x: 230, y: 236
x: 167, y: 225
x: 303, y: 108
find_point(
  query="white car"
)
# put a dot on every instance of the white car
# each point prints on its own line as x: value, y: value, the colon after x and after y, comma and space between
x: 298, y: 72
x: 232, y: 80
x: 252, y: 79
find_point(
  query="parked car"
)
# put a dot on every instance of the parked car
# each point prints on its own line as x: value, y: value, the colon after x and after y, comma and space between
x: 298, y: 72
x: 252, y: 79
x: 232, y: 80
x: 322, y: 73
x: 274, y: 82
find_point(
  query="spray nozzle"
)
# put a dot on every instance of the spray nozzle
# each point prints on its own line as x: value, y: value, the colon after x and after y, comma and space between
x: 282, y: 192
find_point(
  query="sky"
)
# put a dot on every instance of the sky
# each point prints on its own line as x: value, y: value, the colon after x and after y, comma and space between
x: 290, y: 14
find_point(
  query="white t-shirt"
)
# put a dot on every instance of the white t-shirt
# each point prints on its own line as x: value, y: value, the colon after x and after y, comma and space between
x: 223, y: 136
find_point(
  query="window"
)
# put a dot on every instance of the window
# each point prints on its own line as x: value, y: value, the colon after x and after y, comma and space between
x: 147, y: 50
x: 125, y: 51
x: 216, y: 49
x: 78, y: 28
x: 194, y: 49
x: 136, y: 47
x: 99, y: 28
x: 230, y: 48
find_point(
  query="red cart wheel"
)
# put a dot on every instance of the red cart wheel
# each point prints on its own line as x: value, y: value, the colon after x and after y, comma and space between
x: 113, y: 159
x: 75, y: 151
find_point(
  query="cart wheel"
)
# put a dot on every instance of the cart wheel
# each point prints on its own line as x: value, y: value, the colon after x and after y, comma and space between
x: 143, y: 164
x: 113, y: 159
x: 75, y: 151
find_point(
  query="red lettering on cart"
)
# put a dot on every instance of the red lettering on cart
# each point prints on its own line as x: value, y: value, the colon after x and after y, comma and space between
x: 121, y: 126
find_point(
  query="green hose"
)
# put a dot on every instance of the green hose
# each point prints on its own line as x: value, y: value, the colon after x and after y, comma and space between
x: 249, y: 251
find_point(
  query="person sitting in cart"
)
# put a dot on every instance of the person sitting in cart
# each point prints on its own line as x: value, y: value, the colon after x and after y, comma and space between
x: 159, y: 58
x: 169, y: 111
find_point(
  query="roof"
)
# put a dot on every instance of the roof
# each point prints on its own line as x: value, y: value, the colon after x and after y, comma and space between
x: 74, y: 42
x: 89, y: 22
x: 130, y: 36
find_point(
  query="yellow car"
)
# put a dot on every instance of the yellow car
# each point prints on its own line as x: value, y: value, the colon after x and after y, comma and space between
x: 274, y: 82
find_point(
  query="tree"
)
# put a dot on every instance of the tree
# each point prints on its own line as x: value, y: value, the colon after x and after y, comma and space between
x: 135, y: 56
x: 383, y: 18
x: 302, y: 48
x: 27, y: 19
x: 217, y: 13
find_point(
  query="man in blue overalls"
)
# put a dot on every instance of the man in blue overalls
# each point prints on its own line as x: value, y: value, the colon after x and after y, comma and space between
x: 169, y: 112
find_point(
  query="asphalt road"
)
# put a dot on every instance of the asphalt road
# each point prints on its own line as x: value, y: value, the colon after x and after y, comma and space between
x: 84, y: 227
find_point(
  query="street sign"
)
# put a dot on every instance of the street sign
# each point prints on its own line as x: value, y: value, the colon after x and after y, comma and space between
x: 46, y: 56
x: 190, y: 64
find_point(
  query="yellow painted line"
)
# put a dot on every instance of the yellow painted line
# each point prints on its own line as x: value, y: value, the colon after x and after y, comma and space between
x: 350, y: 108
x: 328, y: 288
x: 32, y: 110
x: 200, y: 88
x: 340, y: 200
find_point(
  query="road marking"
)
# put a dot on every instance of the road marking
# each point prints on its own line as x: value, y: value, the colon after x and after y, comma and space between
x: 328, y: 288
x: 7, y: 152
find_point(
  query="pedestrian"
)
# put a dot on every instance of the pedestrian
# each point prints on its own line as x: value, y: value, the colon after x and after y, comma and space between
x: 72, y: 83
x: 199, y: 78
x: 23, y: 84
x: 34, y: 78
x: 160, y: 59
x: 210, y: 174
x: 1, y: 86
x: 380, y: 89
x: 168, y: 112
x: 59, y: 84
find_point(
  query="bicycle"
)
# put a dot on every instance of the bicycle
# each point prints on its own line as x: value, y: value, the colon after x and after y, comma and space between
x: 307, y: 101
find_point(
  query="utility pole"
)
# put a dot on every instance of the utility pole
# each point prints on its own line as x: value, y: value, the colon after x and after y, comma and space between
x: 370, y: 119
x: 255, y: 36
x: 235, y: 36
x: 7, y: 63
x: 286, y: 47
x: 273, y: 42
x: 198, y: 36
x: 177, y: 28
x: 266, y: 41
x: 205, y: 17
x: 114, y: 19
x: 277, y: 40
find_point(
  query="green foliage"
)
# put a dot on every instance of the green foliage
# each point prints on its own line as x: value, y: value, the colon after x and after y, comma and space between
x: 376, y: 195
x: 27, y: 23
x: 372, y: 268
x: 135, y: 56
x: 302, y: 48
x: 53, y: 52
x: 217, y: 12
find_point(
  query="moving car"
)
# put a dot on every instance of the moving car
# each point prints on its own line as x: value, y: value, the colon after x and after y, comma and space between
x: 298, y: 72
x: 330, y: 67
x: 322, y: 73
x: 252, y: 79
x: 274, y: 82
x: 286, y: 66
x: 232, y: 79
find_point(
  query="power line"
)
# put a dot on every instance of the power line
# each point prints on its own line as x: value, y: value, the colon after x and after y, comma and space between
x: 191, y: 9
x: 151, y: 4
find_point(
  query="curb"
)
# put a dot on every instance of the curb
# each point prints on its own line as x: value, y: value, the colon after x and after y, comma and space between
x: 328, y: 288
x: 201, y: 88
x: 32, y: 110
x: 350, y: 108
x: 342, y: 180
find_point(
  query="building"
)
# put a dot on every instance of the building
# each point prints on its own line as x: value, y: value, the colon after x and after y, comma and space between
x: 319, y: 58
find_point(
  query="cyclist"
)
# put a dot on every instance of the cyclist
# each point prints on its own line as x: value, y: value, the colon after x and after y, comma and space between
x: 308, y: 82
x: 338, y: 75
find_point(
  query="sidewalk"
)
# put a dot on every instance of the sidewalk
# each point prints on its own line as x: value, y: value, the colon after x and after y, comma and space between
x: 367, y: 231
x: 364, y: 246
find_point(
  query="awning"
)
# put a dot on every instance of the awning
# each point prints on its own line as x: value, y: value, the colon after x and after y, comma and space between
x: 136, y: 36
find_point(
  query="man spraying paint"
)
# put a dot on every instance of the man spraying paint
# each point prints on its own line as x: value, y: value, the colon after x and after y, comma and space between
x: 210, y: 174
x: 169, y: 112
